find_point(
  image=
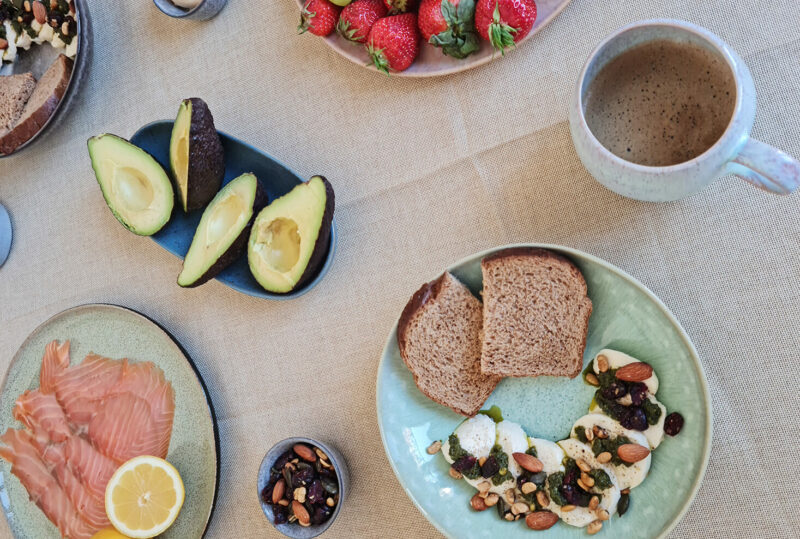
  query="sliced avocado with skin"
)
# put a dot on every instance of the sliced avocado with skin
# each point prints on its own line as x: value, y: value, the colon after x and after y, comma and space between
x: 136, y: 188
x: 195, y: 155
x: 221, y: 235
x: 290, y: 237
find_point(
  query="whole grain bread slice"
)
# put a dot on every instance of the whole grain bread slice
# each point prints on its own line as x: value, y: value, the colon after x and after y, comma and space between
x: 40, y: 106
x: 439, y: 336
x: 15, y: 90
x: 535, y: 314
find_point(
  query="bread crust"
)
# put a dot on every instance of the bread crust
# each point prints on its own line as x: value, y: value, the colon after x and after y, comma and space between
x: 25, y: 130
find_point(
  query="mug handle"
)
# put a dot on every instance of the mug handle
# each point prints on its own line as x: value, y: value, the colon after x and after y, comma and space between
x: 766, y: 167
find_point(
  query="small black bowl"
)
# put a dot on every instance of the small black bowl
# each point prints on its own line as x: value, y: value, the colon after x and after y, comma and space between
x: 340, y: 467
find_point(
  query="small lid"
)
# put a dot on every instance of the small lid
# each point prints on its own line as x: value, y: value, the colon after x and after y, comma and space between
x: 5, y: 234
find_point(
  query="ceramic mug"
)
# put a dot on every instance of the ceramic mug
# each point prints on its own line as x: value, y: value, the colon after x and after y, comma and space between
x: 734, y: 153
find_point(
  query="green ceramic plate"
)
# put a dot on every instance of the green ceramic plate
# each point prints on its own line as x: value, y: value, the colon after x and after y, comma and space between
x: 117, y: 332
x: 626, y: 317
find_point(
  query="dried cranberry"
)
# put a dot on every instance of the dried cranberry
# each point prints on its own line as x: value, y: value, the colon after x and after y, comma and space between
x: 615, y: 390
x: 280, y: 515
x: 302, y: 476
x: 321, y: 514
x: 282, y: 460
x: 634, y: 419
x: 638, y: 392
x: 464, y: 463
x: 315, y: 492
x: 570, y: 494
x: 490, y: 467
x: 571, y: 476
x: 673, y: 424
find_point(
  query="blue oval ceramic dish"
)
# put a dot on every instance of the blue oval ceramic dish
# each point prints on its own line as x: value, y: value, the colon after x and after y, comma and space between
x: 240, y: 157
x: 626, y: 317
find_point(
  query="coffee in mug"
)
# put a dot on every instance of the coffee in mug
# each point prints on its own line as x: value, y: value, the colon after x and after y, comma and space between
x: 661, y: 103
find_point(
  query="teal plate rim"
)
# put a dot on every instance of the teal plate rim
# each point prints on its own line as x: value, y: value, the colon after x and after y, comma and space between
x: 572, y: 253
x: 185, y: 354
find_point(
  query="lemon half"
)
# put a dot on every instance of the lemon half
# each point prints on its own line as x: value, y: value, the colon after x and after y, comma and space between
x: 144, y: 497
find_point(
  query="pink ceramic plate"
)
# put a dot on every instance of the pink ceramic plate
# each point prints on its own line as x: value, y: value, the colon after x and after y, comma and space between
x: 431, y: 62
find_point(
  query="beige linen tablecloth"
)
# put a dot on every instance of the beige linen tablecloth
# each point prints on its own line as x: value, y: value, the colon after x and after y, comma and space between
x: 425, y: 172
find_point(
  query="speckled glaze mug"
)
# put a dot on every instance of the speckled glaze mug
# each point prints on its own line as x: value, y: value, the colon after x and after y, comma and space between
x: 734, y: 153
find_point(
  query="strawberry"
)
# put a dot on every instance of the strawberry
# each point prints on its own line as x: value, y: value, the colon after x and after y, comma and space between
x: 449, y: 24
x: 504, y: 22
x: 393, y: 42
x: 318, y: 17
x: 357, y: 19
x: 400, y: 6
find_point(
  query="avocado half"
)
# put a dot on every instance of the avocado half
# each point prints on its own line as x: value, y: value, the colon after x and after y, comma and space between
x: 136, y: 188
x: 195, y: 155
x: 290, y: 237
x: 221, y: 235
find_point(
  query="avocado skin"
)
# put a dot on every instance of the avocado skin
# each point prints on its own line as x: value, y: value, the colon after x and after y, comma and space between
x: 239, y: 244
x: 206, y: 157
x: 321, y: 247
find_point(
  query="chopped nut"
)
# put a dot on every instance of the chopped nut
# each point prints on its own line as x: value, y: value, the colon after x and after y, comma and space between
x: 294, y: 460
x: 587, y: 479
x: 594, y: 502
x: 583, y: 465
x: 510, y: 496
x: 594, y: 527
x: 600, y: 432
x: 325, y: 464
x: 65, y: 28
x: 602, y: 514
x: 284, y: 502
x: 542, y: 499
x: 491, y: 500
x: 481, y: 461
x: 602, y: 363
x: 591, y: 379
x: 509, y: 517
x: 321, y: 454
x: 300, y: 494
x: 521, y: 508
x: 567, y: 508
x: 329, y: 502
x: 519, y: 516
x: 27, y: 5
x: 484, y: 487
x: 604, y: 457
x: 528, y: 487
x: 455, y: 474
x: 432, y: 449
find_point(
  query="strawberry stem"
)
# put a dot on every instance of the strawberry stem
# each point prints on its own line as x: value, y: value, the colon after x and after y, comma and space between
x: 378, y: 59
x: 501, y: 35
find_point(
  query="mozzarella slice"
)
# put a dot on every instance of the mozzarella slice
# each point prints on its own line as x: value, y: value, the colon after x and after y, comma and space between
x: 618, y: 359
x: 583, y: 516
x: 654, y: 433
x: 628, y: 476
x: 512, y: 439
x: 550, y: 453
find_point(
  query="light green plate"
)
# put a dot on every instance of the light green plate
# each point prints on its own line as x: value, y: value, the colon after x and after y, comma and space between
x: 116, y: 332
x: 626, y: 317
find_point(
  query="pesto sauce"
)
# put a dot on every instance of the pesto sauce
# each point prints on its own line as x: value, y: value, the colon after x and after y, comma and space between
x: 651, y: 411
x: 502, y: 460
x: 580, y: 433
x: 601, y: 479
x: 554, y: 483
x: 532, y: 451
x: 611, y: 445
x: 456, y: 452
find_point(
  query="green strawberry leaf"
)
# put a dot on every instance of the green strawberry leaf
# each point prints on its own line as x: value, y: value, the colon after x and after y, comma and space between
x: 460, y: 39
x: 378, y: 59
x: 343, y: 28
x: 305, y: 20
x: 501, y: 35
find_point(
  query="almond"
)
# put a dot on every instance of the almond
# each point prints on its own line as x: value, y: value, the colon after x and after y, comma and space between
x: 39, y: 12
x: 541, y: 520
x: 631, y: 453
x: 478, y: 503
x: 278, y: 490
x: 528, y: 462
x: 301, y: 513
x: 634, y: 372
x: 305, y: 452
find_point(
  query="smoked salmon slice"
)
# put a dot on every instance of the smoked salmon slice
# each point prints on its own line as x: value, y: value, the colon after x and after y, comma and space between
x: 79, y: 425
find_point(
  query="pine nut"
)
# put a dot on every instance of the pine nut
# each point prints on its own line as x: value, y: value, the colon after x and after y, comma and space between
x: 582, y: 485
x: 481, y: 461
x: 542, y: 499
x: 604, y: 457
x: 583, y: 465
x: 484, y: 487
x: 589, y: 435
x: 591, y: 379
x: 594, y: 527
x: 455, y: 474
x: 602, y: 363
x: 432, y: 449
x: 587, y: 479
x: 602, y: 514
x: 594, y: 502
x: 509, y: 496
x: 329, y: 502
x: 567, y: 508
x: 521, y: 508
x: 491, y: 500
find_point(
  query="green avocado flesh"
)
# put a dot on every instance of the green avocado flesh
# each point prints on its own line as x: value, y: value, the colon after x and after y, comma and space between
x: 221, y: 235
x: 290, y: 237
x: 136, y: 188
x: 195, y: 155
